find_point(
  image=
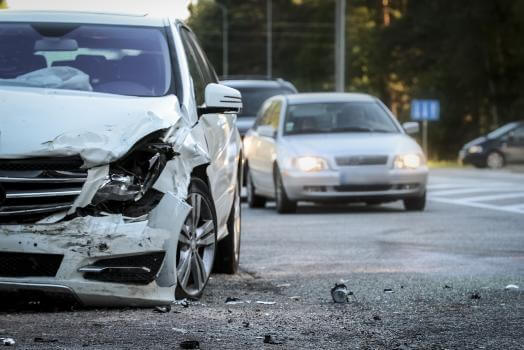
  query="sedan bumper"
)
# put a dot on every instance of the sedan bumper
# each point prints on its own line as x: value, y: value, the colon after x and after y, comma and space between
x: 355, y: 184
x: 99, y: 261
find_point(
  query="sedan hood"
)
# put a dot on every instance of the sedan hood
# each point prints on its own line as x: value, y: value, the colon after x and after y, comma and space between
x: 345, y: 144
x: 477, y: 141
x: 100, y: 128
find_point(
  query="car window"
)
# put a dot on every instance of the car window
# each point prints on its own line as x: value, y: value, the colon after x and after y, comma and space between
x: 253, y: 98
x: 121, y: 60
x: 271, y: 116
x: 518, y: 134
x: 495, y: 134
x: 207, y: 69
x: 199, y: 81
x: 316, y: 118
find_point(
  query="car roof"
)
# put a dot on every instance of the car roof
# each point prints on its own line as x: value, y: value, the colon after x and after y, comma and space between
x: 47, y: 16
x: 328, y: 97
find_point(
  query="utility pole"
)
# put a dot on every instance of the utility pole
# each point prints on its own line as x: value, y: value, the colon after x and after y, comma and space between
x: 340, y: 45
x: 225, y: 41
x: 269, y: 28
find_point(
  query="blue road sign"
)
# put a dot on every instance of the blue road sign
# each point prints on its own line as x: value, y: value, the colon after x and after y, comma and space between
x: 425, y: 110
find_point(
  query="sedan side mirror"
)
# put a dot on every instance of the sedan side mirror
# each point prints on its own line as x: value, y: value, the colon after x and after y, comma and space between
x: 221, y: 99
x: 266, y: 131
x: 411, y: 128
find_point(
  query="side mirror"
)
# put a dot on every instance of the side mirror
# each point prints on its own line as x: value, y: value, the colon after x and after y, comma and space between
x: 266, y: 131
x: 411, y: 128
x: 221, y: 99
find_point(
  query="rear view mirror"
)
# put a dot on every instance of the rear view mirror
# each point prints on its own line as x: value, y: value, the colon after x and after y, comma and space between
x: 411, y: 128
x: 266, y: 131
x: 56, y: 44
x: 221, y: 99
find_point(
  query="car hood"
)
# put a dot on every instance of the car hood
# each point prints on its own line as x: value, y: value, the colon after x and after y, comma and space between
x: 100, y: 128
x: 344, y: 144
x: 477, y: 141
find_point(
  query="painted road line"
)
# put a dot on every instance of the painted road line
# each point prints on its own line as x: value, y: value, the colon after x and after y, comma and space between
x: 470, y: 190
x: 510, y: 209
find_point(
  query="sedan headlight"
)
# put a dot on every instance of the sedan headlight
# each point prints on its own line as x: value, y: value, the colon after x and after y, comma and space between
x: 475, y: 149
x: 310, y: 164
x: 408, y: 161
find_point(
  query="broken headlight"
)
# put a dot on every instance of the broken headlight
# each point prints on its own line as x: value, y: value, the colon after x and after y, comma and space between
x: 128, y: 189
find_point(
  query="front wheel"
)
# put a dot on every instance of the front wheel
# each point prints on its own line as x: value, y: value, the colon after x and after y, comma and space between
x: 284, y: 204
x: 415, y: 203
x: 495, y: 160
x: 197, y: 243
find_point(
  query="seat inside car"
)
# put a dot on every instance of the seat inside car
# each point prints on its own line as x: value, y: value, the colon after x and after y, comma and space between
x: 145, y: 69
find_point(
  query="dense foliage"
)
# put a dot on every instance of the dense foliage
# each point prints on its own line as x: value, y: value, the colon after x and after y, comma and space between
x: 468, y: 54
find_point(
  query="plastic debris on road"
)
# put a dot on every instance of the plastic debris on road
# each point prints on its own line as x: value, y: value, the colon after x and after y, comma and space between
x: 162, y: 309
x: 340, y: 293
x: 388, y: 290
x: 475, y: 296
x: 233, y: 301
x: 7, y: 341
x: 266, y: 302
x: 511, y: 286
x: 190, y: 344
x: 269, y: 339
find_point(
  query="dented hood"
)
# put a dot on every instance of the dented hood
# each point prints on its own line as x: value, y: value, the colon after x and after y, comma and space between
x: 100, y: 128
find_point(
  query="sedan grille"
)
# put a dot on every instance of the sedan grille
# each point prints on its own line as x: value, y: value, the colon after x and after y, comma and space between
x: 361, y: 160
x: 31, y: 189
x: 29, y: 265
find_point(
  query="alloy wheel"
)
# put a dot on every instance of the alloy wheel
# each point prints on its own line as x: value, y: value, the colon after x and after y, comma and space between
x: 196, y: 246
x: 495, y: 160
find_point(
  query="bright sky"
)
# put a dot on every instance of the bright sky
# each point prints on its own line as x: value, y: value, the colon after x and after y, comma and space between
x: 175, y: 8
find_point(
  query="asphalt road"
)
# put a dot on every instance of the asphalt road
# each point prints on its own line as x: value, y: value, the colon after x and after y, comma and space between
x: 429, y: 280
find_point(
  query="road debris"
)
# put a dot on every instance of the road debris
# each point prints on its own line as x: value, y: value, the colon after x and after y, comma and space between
x: 7, y: 341
x: 179, y: 330
x: 340, y: 293
x: 447, y: 287
x: 377, y: 318
x: 183, y: 303
x: 269, y: 339
x: 233, y: 301
x: 295, y: 298
x: 43, y: 340
x: 511, y: 286
x: 284, y: 285
x: 266, y: 302
x: 245, y: 324
x: 475, y: 296
x: 388, y: 290
x: 162, y: 309
x: 190, y: 344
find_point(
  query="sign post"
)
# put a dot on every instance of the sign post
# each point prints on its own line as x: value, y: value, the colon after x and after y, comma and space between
x: 425, y: 111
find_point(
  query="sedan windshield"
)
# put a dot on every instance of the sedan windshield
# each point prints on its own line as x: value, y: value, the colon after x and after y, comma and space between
x: 495, y: 134
x: 337, y: 117
x: 110, y: 59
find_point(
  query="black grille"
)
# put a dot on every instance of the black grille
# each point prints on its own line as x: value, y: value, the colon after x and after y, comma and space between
x: 363, y: 188
x: 29, y: 265
x: 59, y: 163
x: 31, y: 189
x: 361, y: 160
x: 152, y: 261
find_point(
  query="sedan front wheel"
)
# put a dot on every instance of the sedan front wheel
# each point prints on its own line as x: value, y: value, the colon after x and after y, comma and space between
x: 197, y: 243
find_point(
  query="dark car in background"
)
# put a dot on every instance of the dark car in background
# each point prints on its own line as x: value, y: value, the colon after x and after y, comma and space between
x: 500, y: 147
x: 254, y: 92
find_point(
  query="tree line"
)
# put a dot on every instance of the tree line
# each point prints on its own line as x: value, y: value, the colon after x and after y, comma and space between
x: 468, y: 54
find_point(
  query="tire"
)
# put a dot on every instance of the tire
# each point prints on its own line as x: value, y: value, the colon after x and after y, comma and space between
x: 253, y: 200
x: 284, y: 204
x: 197, y: 243
x: 228, y: 253
x: 495, y: 160
x: 415, y: 203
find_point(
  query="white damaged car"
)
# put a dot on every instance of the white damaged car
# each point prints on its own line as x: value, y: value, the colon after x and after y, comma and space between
x: 119, y: 159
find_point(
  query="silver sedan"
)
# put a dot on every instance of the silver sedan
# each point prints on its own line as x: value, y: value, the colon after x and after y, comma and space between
x: 332, y: 147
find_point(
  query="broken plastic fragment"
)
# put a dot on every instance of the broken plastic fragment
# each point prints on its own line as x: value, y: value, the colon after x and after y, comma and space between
x: 269, y: 339
x: 388, y: 290
x: 162, y: 309
x: 475, y: 296
x: 7, y: 341
x: 266, y: 302
x: 340, y: 293
x: 511, y: 286
x: 190, y: 344
x: 233, y: 301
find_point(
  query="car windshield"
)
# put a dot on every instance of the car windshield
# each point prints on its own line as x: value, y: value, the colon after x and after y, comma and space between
x: 495, y: 134
x: 253, y: 98
x: 338, y: 117
x: 120, y: 60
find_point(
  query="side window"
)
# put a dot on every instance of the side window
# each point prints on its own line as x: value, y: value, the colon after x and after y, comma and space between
x: 274, y: 117
x: 518, y: 134
x: 209, y: 72
x: 262, y: 113
x: 197, y: 75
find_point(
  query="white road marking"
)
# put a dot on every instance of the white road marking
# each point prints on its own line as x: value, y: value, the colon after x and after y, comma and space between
x: 479, y: 192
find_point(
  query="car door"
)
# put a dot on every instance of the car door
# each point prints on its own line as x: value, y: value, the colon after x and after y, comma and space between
x: 265, y: 154
x: 220, y: 132
x: 514, y: 149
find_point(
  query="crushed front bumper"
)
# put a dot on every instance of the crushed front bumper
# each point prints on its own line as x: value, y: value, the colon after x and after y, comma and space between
x: 355, y: 184
x: 63, y: 255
